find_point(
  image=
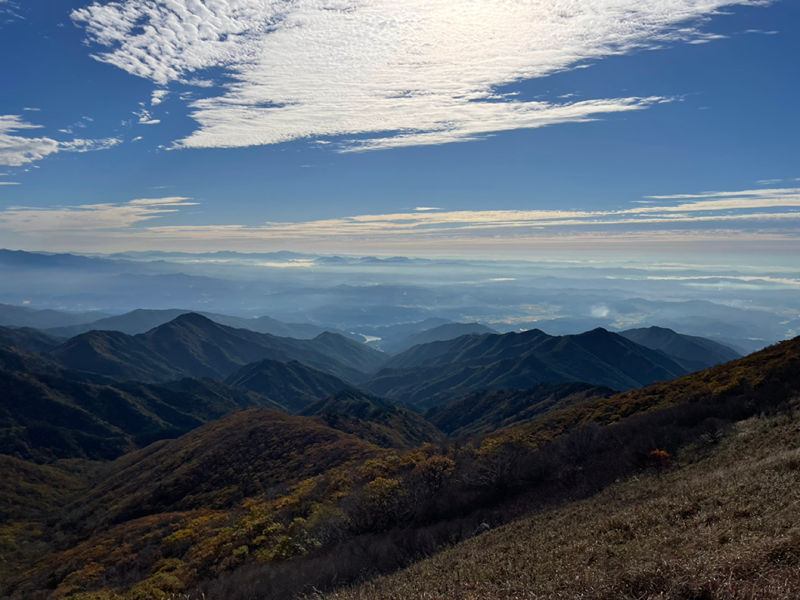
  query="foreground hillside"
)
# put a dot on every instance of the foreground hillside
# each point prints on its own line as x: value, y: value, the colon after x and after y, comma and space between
x: 492, y: 410
x: 721, y: 524
x: 261, y: 504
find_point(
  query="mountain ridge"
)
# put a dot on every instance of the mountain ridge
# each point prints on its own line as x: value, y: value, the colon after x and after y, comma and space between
x: 441, y: 372
x: 142, y: 320
x: 194, y: 346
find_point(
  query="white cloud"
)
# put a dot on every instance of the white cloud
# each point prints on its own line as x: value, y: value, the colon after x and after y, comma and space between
x: 424, y: 208
x: 137, y: 138
x: 145, y: 118
x: 16, y: 150
x: 406, y: 73
x: 32, y: 109
x: 158, y: 97
x: 9, y: 10
x: 726, y: 218
x: 79, y: 145
x: 87, y: 218
x: 205, y: 83
x: 9, y: 183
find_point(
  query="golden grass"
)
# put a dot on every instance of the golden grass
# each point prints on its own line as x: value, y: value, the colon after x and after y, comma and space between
x: 724, y: 526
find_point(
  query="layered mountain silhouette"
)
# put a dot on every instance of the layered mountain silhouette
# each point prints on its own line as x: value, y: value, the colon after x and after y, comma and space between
x: 441, y: 333
x: 381, y: 422
x: 194, y: 346
x: 292, y: 384
x: 492, y: 410
x: 440, y: 372
x: 694, y: 353
x: 23, y: 316
x: 142, y: 320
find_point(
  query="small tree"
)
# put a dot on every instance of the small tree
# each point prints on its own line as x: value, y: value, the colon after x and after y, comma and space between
x: 659, y: 460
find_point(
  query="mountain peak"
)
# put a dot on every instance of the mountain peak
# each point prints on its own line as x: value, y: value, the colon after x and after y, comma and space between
x: 193, y: 319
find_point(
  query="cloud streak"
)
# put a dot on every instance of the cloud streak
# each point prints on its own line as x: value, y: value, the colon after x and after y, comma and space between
x: 380, y: 73
x: 17, y: 151
x: 88, y: 218
x: 764, y: 216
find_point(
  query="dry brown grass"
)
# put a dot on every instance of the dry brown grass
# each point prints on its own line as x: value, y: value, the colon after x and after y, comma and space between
x: 725, y: 525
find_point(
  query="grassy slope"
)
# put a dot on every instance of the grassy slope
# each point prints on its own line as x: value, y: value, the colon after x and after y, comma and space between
x: 724, y: 527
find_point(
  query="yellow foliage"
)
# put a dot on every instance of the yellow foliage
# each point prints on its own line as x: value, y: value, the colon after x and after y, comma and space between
x: 412, y: 457
x: 381, y: 491
x: 435, y: 471
x: 380, y: 467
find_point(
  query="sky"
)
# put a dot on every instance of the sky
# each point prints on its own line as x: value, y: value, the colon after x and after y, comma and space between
x: 521, y: 129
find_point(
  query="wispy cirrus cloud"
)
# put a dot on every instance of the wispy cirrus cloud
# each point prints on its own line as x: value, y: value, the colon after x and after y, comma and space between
x: 17, y: 150
x: 9, y: 11
x: 80, y: 145
x: 763, y: 216
x: 88, y: 218
x: 395, y: 74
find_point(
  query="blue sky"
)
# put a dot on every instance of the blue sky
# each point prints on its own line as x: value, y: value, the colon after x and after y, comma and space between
x: 321, y: 125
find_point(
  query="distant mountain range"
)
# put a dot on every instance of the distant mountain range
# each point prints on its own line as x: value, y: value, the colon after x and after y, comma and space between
x: 102, y: 393
x: 442, y: 333
x: 22, y: 316
x: 143, y: 320
x: 426, y: 374
x: 440, y: 372
x: 692, y: 352
x: 193, y: 346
